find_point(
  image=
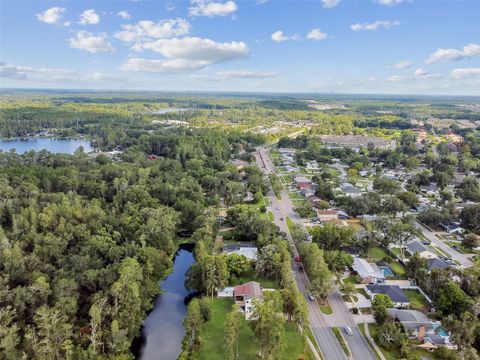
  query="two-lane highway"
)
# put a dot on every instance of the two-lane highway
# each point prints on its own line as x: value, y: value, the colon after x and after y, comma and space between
x: 319, y: 322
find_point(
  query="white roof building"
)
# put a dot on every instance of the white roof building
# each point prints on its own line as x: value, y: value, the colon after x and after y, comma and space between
x: 369, y: 272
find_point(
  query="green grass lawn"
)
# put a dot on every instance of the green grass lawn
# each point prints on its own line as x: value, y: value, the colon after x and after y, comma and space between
x: 363, y: 292
x: 326, y: 309
x: 376, y: 253
x: 270, y: 215
x: 352, y: 279
x: 213, y: 334
x: 417, y: 300
x: 334, y: 172
x: 251, y: 275
x: 398, y: 268
x: 289, y: 223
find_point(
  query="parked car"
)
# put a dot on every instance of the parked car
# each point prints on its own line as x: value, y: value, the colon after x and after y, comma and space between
x: 310, y: 297
x: 348, y: 330
x: 281, y: 219
x: 297, y: 258
x: 301, y: 269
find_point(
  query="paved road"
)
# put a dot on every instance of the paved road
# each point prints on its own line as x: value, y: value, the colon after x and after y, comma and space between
x: 455, y: 255
x: 319, y: 322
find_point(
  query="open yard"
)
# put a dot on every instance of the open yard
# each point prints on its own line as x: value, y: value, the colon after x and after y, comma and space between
x: 213, y: 333
x: 252, y: 276
x: 417, y: 300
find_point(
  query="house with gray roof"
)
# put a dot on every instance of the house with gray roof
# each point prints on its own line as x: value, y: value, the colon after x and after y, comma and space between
x: 416, y: 247
x: 415, y: 323
x: 369, y: 272
x: 437, y: 263
x: 393, y: 291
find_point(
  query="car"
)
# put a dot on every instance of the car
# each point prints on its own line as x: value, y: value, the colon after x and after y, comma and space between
x: 348, y: 330
x: 297, y: 258
x: 281, y: 219
x: 310, y: 297
x: 277, y: 208
x: 426, y: 242
x: 301, y: 269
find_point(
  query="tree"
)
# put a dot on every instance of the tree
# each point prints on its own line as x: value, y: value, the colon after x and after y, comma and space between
x: 317, y: 270
x: 389, y: 336
x: 452, y: 299
x: 381, y: 315
x: 332, y: 236
x: 305, y: 211
x: 337, y: 260
x: 237, y: 265
x: 348, y: 289
x: 382, y: 300
x: 268, y: 328
x: 9, y: 339
x: 469, y: 189
x: 470, y: 217
x: 463, y: 329
x: 233, y: 323
x: 417, y: 267
x: 193, y: 322
x: 471, y: 241
x: 386, y: 186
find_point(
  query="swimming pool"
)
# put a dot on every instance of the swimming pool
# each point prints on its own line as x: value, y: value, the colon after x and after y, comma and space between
x: 441, y: 331
x: 386, y: 271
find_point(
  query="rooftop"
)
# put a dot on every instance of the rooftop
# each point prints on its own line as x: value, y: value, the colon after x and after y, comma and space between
x: 393, y: 291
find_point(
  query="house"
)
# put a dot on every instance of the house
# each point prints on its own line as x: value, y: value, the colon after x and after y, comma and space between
x: 314, y: 200
x: 225, y: 293
x: 245, y: 294
x: 369, y: 272
x: 416, y: 247
x: 349, y: 189
x: 429, y: 189
x: 415, y: 323
x: 311, y: 165
x: 437, y: 263
x: 250, y: 252
x: 307, y: 192
x: 393, y: 291
x: 453, y: 228
x: 327, y: 215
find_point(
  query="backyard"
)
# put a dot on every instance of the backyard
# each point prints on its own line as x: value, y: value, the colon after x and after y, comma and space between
x: 213, y: 333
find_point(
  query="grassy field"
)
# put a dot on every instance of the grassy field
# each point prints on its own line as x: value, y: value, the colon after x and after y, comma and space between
x: 213, y: 334
x: 398, y: 268
x: 326, y: 309
x: 252, y: 276
x: 417, y: 300
x: 376, y: 253
x: 289, y: 223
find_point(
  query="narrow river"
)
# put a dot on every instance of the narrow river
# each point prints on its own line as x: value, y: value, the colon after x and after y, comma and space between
x: 163, y: 330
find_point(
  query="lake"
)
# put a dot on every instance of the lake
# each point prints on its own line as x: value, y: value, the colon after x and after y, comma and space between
x: 66, y: 146
x: 163, y: 330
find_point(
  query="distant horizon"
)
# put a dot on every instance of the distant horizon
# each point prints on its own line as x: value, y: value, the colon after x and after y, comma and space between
x: 234, y: 92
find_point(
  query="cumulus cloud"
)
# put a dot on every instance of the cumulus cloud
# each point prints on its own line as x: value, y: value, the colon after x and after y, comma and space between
x: 25, y: 72
x: 375, y: 25
x: 316, y: 34
x: 124, y: 14
x: 404, y: 64
x: 236, y: 74
x: 146, y: 30
x: 389, y: 2
x: 328, y: 4
x: 212, y: 8
x: 89, y: 17
x: 462, y: 73
x: 468, y: 51
x: 51, y: 16
x: 279, y: 36
x: 93, y: 44
x: 189, y: 53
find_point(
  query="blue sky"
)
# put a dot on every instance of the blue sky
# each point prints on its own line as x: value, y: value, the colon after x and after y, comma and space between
x: 325, y: 46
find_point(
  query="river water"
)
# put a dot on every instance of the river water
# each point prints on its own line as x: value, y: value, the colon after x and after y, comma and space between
x: 163, y: 331
x: 66, y: 146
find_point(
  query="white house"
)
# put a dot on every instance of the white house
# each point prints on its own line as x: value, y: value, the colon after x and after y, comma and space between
x: 369, y: 272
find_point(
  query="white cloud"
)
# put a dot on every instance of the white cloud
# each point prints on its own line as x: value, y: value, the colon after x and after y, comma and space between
x: 146, y: 30
x: 328, y: 4
x: 189, y: 53
x: 316, y: 34
x: 25, y: 72
x: 279, y: 36
x: 124, y: 14
x: 399, y: 79
x: 468, y: 51
x: 52, y: 15
x: 89, y: 17
x: 462, y: 73
x: 389, y: 2
x: 420, y: 72
x: 236, y: 74
x: 405, y: 64
x: 212, y: 8
x: 375, y: 25
x: 170, y: 6
x: 91, y: 43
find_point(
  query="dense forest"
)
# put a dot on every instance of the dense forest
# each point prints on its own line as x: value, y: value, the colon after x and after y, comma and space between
x: 84, y: 240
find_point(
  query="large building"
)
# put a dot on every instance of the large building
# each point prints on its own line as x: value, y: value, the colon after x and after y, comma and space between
x: 356, y: 141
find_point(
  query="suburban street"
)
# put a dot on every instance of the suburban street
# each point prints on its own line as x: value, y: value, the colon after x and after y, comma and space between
x: 454, y: 254
x: 320, y: 323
